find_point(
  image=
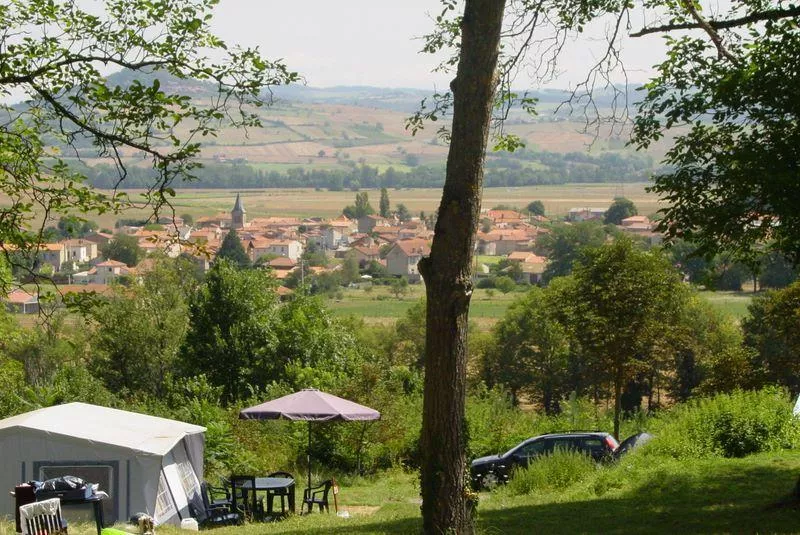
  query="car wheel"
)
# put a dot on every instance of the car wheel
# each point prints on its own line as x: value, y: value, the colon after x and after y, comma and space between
x: 489, y: 481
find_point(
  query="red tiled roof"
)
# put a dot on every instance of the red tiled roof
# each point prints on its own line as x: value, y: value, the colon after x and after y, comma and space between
x: 283, y: 290
x: 367, y: 251
x: 282, y: 263
x: 19, y: 297
x: 112, y: 263
x: 413, y: 247
x: 84, y: 288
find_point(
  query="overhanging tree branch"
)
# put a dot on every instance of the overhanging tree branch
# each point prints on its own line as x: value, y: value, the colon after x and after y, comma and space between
x: 761, y: 16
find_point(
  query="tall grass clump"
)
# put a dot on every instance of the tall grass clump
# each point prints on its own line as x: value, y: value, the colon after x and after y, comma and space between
x: 728, y: 425
x: 552, y: 473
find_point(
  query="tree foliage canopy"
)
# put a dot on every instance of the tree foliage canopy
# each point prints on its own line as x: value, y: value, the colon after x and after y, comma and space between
x: 140, y: 330
x: 231, y: 337
x: 232, y: 249
x: 734, y: 175
x: 773, y: 330
x: 361, y: 208
x: 58, y: 55
x: 624, y: 299
x: 620, y: 209
x: 123, y: 248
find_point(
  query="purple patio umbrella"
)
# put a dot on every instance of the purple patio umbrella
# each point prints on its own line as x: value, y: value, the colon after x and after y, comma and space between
x: 313, y: 406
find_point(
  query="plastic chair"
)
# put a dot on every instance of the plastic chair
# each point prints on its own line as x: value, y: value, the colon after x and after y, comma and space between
x: 213, y: 515
x: 43, y: 517
x: 218, y: 495
x: 283, y: 493
x: 318, y: 496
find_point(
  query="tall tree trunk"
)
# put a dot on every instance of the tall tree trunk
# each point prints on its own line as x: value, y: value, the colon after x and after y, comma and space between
x: 448, y: 275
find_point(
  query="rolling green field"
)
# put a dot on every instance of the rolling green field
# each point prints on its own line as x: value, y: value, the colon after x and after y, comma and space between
x: 732, y: 303
x: 308, y: 202
x: 379, y: 306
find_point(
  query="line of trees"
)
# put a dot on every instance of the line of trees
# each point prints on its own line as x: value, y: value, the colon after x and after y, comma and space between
x: 554, y: 168
x: 623, y: 327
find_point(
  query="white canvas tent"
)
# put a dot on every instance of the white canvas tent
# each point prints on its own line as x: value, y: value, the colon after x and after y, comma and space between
x: 145, y: 464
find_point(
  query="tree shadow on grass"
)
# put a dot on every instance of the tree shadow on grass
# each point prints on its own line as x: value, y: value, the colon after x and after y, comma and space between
x: 722, y: 496
x: 411, y: 525
x: 736, y: 500
x: 393, y: 518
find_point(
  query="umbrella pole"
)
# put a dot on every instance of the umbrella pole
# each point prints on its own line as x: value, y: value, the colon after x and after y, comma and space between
x: 309, y: 464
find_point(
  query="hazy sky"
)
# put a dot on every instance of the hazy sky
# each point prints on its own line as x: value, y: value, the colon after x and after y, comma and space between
x: 375, y: 42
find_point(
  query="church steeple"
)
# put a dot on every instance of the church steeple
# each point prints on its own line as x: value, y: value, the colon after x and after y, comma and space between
x: 238, y: 217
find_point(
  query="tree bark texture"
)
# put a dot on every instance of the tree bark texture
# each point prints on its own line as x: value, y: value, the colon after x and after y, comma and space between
x: 448, y: 275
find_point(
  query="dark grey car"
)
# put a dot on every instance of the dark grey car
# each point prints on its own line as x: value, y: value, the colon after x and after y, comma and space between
x: 486, y: 472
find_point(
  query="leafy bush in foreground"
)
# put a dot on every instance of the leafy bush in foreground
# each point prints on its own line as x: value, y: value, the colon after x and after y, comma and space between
x: 728, y: 425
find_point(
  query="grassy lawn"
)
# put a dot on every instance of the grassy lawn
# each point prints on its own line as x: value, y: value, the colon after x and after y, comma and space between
x: 380, y: 306
x: 732, y: 303
x: 707, y: 496
x: 635, y: 496
x: 638, y: 495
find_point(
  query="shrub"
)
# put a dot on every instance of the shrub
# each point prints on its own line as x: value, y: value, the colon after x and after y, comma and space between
x: 505, y: 284
x: 728, y: 425
x: 495, y: 425
x: 552, y: 473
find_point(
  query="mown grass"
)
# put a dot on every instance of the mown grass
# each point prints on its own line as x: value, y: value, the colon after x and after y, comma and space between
x: 641, y: 495
x: 486, y: 306
x: 380, y: 306
x: 731, y: 303
x: 637, y: 495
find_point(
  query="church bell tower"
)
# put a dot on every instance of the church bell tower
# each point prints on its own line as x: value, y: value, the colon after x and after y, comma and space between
x: 238, y: 214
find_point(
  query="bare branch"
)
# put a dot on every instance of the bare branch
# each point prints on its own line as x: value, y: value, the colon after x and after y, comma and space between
x: 712, y: 33
x: 761, y: 16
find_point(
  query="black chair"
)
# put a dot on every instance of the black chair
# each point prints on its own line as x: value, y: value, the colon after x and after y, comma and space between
x: 213, y: 515
x: 283, y: 493
x: 218, y: 496
x: 244, y: 499
x: 318, y: 496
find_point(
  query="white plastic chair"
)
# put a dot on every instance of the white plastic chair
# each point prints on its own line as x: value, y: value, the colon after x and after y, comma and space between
x: 42, y: 518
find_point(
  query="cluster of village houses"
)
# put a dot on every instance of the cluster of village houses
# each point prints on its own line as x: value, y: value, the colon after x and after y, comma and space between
x: 397, y: 245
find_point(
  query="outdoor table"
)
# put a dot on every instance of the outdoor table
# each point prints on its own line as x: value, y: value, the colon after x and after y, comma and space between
x: 97, y: 504
x: 275, y: 483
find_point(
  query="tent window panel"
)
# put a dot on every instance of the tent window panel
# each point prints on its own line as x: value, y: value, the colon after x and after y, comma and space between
x: 102, y: 474
x: 165, y: 506
x: 188, y: 480
x: 190, y: 484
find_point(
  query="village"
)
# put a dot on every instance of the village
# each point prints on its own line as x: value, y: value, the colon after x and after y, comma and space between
x: 395, y: 243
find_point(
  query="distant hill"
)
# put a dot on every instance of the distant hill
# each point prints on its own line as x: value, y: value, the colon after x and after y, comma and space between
x: 331, y: 134
x: 400, y: 99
